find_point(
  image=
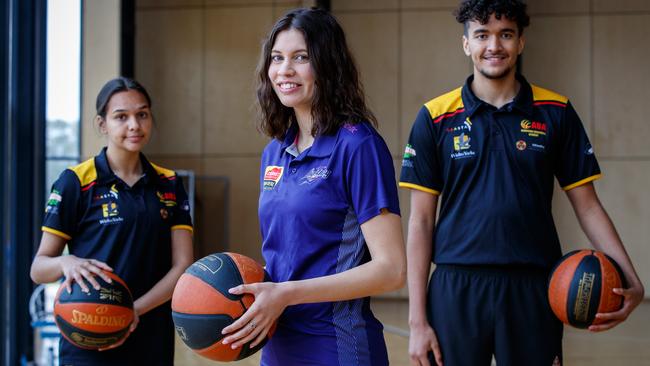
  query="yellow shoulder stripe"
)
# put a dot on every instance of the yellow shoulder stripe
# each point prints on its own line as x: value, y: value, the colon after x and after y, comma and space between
x: 540, y: 94
x: 419, y: 188
x: 86, y: 172
x: 163, y: 171
x: 446, y: 103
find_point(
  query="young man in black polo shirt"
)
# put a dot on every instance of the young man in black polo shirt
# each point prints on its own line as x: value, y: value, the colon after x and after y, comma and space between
x: 491, y: 150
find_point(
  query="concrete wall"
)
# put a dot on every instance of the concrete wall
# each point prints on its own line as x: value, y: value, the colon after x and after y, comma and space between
x: 197, y: 57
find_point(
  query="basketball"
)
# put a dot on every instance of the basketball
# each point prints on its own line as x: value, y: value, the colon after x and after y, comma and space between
x: 96, y: 319
x: 581, y: 285
x: 202, y: 305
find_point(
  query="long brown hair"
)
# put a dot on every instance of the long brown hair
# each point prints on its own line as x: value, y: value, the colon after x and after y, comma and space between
x: 338, y: 93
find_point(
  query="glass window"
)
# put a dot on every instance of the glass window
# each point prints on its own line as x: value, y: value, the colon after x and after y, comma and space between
x: 63, y: 88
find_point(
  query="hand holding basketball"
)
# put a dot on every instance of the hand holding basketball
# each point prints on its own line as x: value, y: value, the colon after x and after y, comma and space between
x: 259, y: 319
x: 632, y: 298
x: 77, y: 269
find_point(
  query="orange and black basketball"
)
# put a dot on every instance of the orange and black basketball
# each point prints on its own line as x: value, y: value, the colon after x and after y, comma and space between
x: 581, y: 285
x: 96, y: 319
x: 202, y: 305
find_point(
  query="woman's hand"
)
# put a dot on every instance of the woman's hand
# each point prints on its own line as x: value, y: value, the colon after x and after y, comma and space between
x: 255, y: 324
x: 77, y: 269
x: 423, y: 340
x: 134, y: 324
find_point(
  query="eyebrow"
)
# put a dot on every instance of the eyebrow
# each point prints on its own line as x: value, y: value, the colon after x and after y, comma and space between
x: 144, y: 106
x: 296, y: 51
x: 484, y: 30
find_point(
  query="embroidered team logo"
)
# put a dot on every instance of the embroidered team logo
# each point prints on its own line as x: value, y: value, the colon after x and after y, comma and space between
x: 534, y: 128
x: 314, y: 174
x: 521, y: 145
x: 461, y: 142
x: 272, y: 175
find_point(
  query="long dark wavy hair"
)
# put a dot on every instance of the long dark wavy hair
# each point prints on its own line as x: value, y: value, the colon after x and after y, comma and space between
x: 338, y: 93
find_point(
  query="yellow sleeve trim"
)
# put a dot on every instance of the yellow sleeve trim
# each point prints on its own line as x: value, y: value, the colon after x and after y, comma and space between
x: 183, y: 227
x: 581, y: 182
x: 419, y: 188
x: 56, y: 232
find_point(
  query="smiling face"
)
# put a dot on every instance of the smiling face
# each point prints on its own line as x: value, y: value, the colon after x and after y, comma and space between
x: 128, y: 121
x: 493, y: 47
x: 291, y: 73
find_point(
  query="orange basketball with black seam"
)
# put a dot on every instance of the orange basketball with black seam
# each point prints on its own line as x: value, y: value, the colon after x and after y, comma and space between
x: 202, y: 305
x: 96, y: 319
x: 580, y: 286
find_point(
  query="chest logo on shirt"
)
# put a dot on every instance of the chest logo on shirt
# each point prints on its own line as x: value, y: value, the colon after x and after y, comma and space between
x: 466, y: 126
x: 533, y: 129
x: 112, y: 194
x: 272, y: 175
x: 167, y: 198
x: 521, y: 145
x: 110, y: 214
x: 315, y: 174
x: 462, y: 147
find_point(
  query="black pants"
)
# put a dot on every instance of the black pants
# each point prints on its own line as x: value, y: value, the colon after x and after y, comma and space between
x: 478, y: 312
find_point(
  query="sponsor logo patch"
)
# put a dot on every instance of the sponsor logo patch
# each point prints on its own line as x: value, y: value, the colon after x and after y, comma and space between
x: 466, y: 126
x: 53, y: 201
x: 409, y: 152
x: 533, y: 128
x: 462, y: 147
x: 167, y: 198
x: 112, y: 194
x: 461, y: 142
x: 110, y: 214
x: 272, y: 176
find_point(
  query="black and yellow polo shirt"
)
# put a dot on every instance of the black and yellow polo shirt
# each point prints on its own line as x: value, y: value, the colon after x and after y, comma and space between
x: 130, y: 229
x: 494, y: 169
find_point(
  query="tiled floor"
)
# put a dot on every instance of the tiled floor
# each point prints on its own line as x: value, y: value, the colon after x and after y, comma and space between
x: 626, y: 345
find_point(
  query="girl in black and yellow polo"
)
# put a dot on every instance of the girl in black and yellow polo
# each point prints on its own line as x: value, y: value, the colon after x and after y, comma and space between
x: 121, y: 213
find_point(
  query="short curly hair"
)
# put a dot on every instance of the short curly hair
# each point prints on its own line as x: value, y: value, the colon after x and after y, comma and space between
x: 481, y: 10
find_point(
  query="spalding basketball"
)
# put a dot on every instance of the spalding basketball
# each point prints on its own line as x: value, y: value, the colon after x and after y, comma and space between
x: 96, y: 319
x: 581, y: 285
x: 202, y: 305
